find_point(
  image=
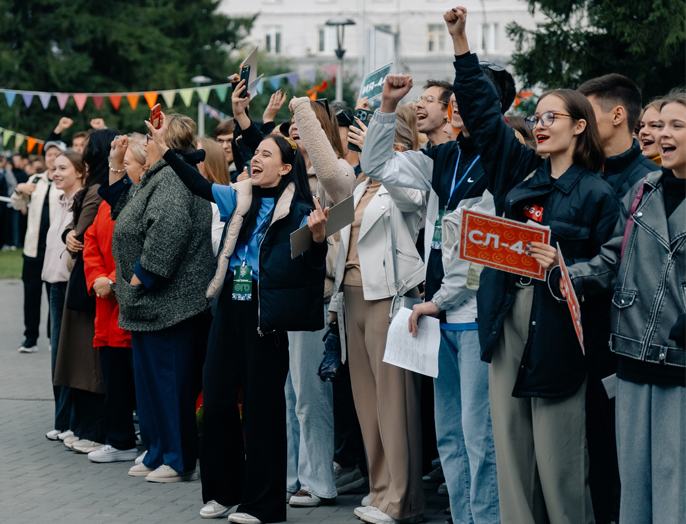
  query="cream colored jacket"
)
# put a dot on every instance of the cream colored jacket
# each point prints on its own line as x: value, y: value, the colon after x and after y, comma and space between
x: 36, y: 201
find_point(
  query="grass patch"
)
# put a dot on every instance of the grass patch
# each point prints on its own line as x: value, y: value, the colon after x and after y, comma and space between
x: 11, y: 263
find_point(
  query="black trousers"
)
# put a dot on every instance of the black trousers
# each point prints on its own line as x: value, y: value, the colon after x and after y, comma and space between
x: 429, y: 445
x: 88, y: 415
x: 603, y: 471
x: 120, y: 396
x: 33, y: 289
x: 348, y: 444
x: 252, y: 475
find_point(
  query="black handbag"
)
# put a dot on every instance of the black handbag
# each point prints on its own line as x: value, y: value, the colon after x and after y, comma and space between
x: 78, y: 298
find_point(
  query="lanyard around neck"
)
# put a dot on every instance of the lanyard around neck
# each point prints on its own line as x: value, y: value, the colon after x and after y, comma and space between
x: 453, y: 187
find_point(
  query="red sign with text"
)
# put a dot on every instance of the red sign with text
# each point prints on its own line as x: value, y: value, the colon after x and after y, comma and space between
x: 500, y: 243
x: 572, y: 300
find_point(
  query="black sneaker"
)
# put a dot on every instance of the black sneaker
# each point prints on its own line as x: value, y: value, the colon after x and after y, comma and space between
x: 28, y: 347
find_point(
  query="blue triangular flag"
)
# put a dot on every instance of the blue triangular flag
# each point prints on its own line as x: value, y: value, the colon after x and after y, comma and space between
x: 10, y: 96
x: 275, y: 82
x: 260, y: 86
x: 292, y: 79
x: 45, y: 99
x: 311, y: 75
x: 28, y: 98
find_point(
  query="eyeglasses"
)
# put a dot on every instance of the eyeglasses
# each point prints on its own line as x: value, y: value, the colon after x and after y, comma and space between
x: 546, y: 119
x: 428, y: 100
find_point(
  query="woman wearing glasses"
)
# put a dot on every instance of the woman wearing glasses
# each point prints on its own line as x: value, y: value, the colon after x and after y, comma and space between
x: 538, y: 370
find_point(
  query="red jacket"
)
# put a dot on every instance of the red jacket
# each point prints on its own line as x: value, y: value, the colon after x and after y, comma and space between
x: 98, y: 262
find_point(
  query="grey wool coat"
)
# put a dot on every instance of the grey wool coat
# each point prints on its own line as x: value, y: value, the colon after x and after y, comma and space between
x: 166, y: 227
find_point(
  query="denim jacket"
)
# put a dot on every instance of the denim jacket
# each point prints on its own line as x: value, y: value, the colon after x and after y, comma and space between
x: 649, y: 281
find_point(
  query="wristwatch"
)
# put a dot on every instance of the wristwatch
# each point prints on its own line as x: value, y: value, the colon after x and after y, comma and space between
x: 113, y: 286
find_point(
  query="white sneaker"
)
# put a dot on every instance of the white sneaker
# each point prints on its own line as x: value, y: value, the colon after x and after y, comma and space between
x: 168, y: 474
x: 243, y: 518
x: 376, y: 516
x: 140, y: 470
x: 347, y: 479
x: 214, y: 510
x: 86, y: 446
x: 140, y: 458
x: 367, y: 501
x: 69, y: 441
x: 289, y: 494
x: 305, y: 499
x: 65, y: 434
x: 53, y: 435
x: 108, y: 453
x: 28, y: 349
x: 363, y: 510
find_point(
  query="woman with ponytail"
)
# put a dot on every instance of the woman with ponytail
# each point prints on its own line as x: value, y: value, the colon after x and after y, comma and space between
x: 260, y: 293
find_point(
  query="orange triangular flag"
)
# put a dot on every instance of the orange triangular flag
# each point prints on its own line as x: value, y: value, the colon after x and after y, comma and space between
x: 80, y: 99
x: 133, y: 100
x: 116, y: 101
x: 40, y: 148
x: 151, y: 98
x: 30, y: 144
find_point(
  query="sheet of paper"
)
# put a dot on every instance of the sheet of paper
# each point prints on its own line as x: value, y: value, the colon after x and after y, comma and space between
x: 340, y: 215
x: 5, y: 199
x: 610, y: 384
x: 252, y: 86
x: 418, y: 354
x: 251, y: 60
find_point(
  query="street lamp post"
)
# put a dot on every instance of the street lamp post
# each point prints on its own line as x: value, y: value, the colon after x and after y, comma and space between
x: 198, y: 81
x: 339, y: 23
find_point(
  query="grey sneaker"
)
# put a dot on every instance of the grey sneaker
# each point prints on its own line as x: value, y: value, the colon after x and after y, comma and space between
x: 347, y: 479
x: 69, y: 441
x: 214, y: 510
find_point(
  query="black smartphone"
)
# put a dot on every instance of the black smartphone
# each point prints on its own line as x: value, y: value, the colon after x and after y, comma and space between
x: 364, y: 116
x: 35, y: 180
x: 245, y: 75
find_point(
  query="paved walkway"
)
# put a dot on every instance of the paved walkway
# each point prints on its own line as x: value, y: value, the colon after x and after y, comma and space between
x: 43, y: 481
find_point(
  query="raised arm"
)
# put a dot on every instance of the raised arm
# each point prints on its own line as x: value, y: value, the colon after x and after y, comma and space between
x: 337, y: 178
x: 505, y: 160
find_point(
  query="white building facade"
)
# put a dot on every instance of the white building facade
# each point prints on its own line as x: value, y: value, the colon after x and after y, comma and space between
x: 412, y: 33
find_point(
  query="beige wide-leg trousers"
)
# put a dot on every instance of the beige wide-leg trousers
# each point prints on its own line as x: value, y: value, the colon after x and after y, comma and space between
x: 387, y: 404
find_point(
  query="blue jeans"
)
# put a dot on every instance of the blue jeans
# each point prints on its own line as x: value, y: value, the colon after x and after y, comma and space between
x: 309, y: 417
x: 63, y: 394
x: 651, y: 448
x: 463, y: 429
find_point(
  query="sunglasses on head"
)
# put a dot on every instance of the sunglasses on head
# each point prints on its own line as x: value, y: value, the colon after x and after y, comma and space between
x: 492, y: 67
x: 325, y: 102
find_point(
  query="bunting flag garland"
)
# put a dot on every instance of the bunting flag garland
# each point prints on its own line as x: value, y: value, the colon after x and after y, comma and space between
x: 45, y: 99
x: 169, y: 98
x: 215, y: 113
x: 10, y: 95
x: 168, y: 95
x: 312, y: 93
x: 151, y: 98
x: 80, y: 99
x: 186, y: 96
x: 28, y: 98
x: 115, y: 100
x: 133, y: 100
x: 19, y: 138
x: 62, y: 99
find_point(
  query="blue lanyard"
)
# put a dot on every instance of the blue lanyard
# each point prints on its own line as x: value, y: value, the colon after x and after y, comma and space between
x: 454, y: 187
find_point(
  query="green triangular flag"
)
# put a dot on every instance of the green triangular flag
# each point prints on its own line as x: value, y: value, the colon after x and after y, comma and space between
x: 186, y: 96
x: 204, y: 94
x: 221, y: 92
x: 169, y: 98
x: 6, y: 135
x: 19, y: 140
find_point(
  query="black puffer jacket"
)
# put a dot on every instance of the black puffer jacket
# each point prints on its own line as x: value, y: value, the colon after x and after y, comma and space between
x: 581, y: 211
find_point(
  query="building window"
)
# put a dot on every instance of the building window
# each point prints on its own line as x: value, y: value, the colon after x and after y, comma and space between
x: 273, y: 39
x: 327, y: 39
x: 435, y: 38
x: 489, y: 40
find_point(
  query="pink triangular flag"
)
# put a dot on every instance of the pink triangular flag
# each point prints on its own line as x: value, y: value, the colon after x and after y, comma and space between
x: 80, y: 99
x: 62, y: 99
x: 97, y: 100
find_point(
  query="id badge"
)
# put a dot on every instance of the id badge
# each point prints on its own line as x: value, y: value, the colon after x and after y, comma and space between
x: 242, y: 283
x: 437, y: 239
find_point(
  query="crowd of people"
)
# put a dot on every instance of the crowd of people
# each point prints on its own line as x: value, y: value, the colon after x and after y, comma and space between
x: 167, y: 262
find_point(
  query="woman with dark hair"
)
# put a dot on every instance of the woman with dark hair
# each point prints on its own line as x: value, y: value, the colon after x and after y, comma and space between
x: 537, y: 376
x: 261, y: 293
x: 78, y: 362
x: 162, y: 249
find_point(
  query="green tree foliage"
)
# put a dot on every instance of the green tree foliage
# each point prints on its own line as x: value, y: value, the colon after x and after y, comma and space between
x: 109, y: 46
x: 582, y: 39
